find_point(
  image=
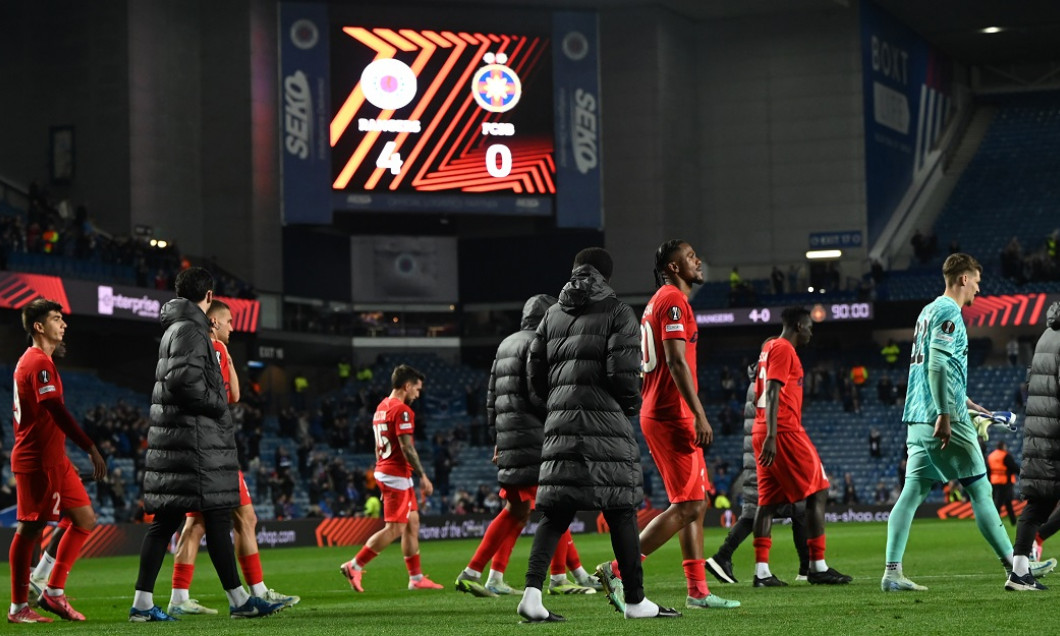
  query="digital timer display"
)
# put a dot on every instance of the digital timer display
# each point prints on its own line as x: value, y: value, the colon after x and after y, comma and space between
x: 820, y: 312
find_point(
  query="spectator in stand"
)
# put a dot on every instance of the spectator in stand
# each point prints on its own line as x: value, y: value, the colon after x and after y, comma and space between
x: 890, y: 352
x: 777, y: 278
x: 885, y: 391
x: 1012, y: 350
x: 727, y: 418
x: 1012, y: 261
x: 850, y: 492
x: 882, y: 493
x: 875, y: 439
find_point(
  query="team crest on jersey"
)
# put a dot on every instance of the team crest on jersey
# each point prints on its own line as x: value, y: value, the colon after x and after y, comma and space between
x: 675, y: 313
x: 44, y: 377
x: 948, y: 326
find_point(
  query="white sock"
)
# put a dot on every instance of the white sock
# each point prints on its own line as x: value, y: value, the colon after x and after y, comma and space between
x: 762, y: 570
x: 818, y: 566
x: 1021, y: 565
x: 893, y: 571
x: 580, y: 573
x: 16, y: 608
x: 644, y: 609
x: 475, y: 574
x: 143, y: 601
x: 356, y: 565
x: 53, y: 591
x: 258, y: 589
x: 1007, y: 560
x: 415, y: 577
x: 237, y: 596
x: 559, y: 579
x: 495, y: 577
x: 530, y: 606
x: 178, y: 596
x: 44, y: 568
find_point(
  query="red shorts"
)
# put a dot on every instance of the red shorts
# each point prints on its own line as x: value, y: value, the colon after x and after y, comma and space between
x: 520, y: 493
x: 244, y: 495
x: 44, y: 493
x: 796, y: 472
x: 678, y: 458
x: 398, y: 503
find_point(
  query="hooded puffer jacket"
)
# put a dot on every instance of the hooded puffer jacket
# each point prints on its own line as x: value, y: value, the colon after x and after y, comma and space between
x: 191, y: 462
x: 515, y: 423
x: 1040, y: 473
x: 585, y: 365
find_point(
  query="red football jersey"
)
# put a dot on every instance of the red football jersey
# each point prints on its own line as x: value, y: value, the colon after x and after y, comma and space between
x: 668, y: 316
x: 222, y: 359
x: 392, y: 418
x: 39, y: 442
x: 778, y: 361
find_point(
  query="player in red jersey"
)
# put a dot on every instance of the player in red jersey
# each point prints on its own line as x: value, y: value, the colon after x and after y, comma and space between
x: 672, y: 418
x: 789, y: 468
x: 244, y: 521
x: 45, y: 479
x: 395, y: 460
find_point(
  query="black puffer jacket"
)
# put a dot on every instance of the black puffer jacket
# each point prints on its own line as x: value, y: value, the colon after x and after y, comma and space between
x: 750, y: 470
x: 585, y: 364
x: 191, y: 459
x: 1040, y: 474
x: 515, y: 424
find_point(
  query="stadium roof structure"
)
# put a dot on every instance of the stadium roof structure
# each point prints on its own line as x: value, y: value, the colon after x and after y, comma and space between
x: 1027, y: 30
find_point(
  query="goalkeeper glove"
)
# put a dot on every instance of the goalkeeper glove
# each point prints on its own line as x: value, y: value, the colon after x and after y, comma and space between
x: 984, y: 421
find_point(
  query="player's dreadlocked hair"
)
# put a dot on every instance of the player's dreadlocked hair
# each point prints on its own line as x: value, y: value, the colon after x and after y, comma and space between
x: 663, y: 256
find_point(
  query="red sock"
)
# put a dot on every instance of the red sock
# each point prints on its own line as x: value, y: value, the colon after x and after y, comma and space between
x: 251, y: 566
x: 412, y: 563
x: 574, y: 560
x: 365, y: 556
x: 182, y: 575
x: 20, y: 557
x: 762, y: 546
x: 66, y: 555
x: 816, y: 547
x: 559, y: 557
x: 696, y: 577
x: 614, y: 566
x: 504, y: 552
x: 496, y: 534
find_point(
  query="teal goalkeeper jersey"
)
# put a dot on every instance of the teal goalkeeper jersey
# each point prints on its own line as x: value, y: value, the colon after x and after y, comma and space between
x: 939, y: 331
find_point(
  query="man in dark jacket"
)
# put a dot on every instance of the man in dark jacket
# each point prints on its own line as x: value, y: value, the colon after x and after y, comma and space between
x: 585, y: 367
x: 517, y: 427
x: 720, y: 565
x: 1039, y: 482
x: 191, y: 463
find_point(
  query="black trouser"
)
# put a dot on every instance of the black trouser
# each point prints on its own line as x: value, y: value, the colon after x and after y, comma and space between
x: 625, y: 541
x: 744, y: 526
x: 218, y: 542
x: 1003, y: 499
x: 1034, y: 514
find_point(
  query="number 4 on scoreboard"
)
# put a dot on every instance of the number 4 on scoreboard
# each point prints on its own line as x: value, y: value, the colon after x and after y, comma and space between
x: 388, y: 159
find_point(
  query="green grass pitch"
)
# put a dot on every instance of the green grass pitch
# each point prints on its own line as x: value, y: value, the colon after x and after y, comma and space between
x: 966, y: 593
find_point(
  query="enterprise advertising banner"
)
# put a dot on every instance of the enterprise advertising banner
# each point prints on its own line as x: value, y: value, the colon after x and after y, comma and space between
x: 86, y: 298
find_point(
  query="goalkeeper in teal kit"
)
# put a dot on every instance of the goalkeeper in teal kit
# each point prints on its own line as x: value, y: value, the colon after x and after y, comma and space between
x: 941, y: 437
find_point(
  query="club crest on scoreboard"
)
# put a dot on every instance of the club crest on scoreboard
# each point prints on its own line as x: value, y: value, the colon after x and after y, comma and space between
x: 495, y: 86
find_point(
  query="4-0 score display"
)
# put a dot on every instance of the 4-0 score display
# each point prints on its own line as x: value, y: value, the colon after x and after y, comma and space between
x: 438, y: 110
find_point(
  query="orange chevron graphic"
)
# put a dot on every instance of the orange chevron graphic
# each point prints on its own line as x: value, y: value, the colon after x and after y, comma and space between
x: 341, y: 531
x: 963, y: 510
x: 449, y: 152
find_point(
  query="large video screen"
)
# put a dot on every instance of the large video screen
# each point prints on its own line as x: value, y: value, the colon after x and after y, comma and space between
x: 388, y: 108
x: 436, y: 110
